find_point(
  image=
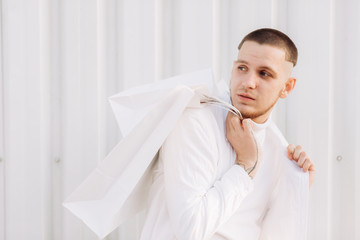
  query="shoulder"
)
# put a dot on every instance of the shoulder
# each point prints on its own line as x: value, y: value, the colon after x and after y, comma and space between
x: 276, y: 134
x: 196, y: 125
x: 193, y: 139
x: 197, y: 120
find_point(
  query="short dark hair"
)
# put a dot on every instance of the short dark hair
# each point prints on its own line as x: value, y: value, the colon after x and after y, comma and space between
x: 274, y: 38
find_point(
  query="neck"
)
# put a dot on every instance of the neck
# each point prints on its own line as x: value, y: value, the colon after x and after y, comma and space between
x: 262, y: 119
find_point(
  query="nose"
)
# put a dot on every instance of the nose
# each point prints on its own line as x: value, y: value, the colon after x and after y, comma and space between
x: 249, y: 80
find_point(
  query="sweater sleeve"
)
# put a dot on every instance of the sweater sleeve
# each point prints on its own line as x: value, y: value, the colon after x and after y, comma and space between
x: 198, y: 201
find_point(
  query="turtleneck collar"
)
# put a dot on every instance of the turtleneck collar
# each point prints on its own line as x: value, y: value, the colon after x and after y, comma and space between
x: 260, y: 126
x: 259, y: 130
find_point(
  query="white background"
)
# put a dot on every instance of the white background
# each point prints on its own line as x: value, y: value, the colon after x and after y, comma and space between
x: 61, y: 59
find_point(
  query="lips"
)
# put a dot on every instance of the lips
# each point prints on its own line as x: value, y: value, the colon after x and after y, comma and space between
x: 246, y: 97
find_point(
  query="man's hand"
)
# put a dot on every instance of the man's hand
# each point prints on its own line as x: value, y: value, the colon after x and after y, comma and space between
x: 299, y: 155
x: 243, y: 141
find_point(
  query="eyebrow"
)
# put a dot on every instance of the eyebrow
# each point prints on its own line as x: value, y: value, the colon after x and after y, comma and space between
x: 241, y: 61
x: 262, y: 67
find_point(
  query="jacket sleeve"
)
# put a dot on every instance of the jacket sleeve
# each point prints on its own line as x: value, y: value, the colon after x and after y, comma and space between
x: 198, y: 201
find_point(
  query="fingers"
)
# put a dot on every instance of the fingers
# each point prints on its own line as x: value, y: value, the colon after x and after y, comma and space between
x: 297, y: 152
x: 312, y: 173
x: 291, y: 149
x: 312, y: 167
x: 247, y: 125
x: 299, y: 155
x: 231, y: 123
x: 233, y: 127
x: 235, y: 122
x: 306, y: 165
x: 228, y: 123
x: 303, y: 161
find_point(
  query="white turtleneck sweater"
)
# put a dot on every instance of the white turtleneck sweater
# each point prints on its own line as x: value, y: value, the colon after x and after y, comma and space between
x: 199, y: 193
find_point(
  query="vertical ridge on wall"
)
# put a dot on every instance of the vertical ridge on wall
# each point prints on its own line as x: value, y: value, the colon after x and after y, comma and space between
x: 225, y: 58
x: 357, y: 147
x: 56, y: 116
x: 274, y: 13
x: 102, y: 35
x: 279, y: 15
x: 106, y: 64
x: 69, y: 66
x: 45, y: 118
x: 330, y: 141
x: 2, y: 140
x: 357, y: 140
x: 216, y: 39
x: 113, y: 70
x: 356, y: 9
x: 168, y: 38
x: 159, y: 39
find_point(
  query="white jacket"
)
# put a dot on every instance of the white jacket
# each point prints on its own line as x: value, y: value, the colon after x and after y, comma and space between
x: 198, y: 192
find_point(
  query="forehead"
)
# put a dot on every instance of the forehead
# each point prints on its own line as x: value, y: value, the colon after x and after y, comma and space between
x: 262, y: 55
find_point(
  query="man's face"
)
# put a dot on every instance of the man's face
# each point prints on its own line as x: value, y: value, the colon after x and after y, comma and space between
x: 259, y: 77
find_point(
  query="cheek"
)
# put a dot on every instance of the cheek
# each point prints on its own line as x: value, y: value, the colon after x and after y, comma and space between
x: 272, y: 89
x: 232, y: 85
x: 234, y: 81
x: 232, y: 90
x: 266, y: 93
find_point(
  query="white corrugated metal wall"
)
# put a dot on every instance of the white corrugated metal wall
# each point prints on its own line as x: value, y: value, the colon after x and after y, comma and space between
x: 61, y: 59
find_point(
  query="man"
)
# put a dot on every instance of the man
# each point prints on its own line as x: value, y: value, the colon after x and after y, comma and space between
x: 222, y: 178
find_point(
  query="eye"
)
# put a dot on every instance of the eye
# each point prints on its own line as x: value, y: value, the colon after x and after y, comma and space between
x: 265, y: 74
x: 241, y: 68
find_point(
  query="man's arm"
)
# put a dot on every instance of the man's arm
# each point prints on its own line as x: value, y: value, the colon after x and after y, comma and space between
x: 198, y: 202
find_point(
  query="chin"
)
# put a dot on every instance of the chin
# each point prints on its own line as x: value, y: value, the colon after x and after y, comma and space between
x: 249, y: 115
x: 246, y: 113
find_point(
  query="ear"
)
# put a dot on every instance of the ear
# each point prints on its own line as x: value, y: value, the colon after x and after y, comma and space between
x: 289, y: 86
